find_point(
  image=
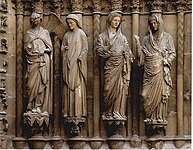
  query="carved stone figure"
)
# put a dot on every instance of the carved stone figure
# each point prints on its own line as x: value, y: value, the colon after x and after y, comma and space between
x: 3, y: 6
x: 113, y: 47
x: 3, y: 24
x: 4, y: 46
x: 38, y: 49
x: 74, y: 68
x: 156, y: 54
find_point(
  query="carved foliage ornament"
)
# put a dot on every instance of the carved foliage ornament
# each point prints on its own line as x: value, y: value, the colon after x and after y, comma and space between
x: 116, y: 5
x: 76, y: 5
x: 97, y: 5
x: 56, y: 6
x: 37, y: 6
x: 135, y: 5
x: 182, y: 5
x: 155, y: 5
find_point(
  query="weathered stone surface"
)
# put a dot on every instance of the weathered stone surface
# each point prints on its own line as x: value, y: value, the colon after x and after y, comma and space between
x: 15, y: 71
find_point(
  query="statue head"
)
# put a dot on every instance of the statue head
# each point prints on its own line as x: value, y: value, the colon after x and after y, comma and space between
x: 35, y: 19
x: 114, y: 19
x: 155, y: 23
x: 72, y: 20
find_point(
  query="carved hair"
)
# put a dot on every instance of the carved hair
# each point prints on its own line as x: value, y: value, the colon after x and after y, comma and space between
x: 158, y: 19
x: 74, y: 18
x: 35, y: 16
x: 111, y: 16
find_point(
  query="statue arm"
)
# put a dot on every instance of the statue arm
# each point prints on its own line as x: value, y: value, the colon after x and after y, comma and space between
x: 84, y: 50
x: 139, y: 50
x: 127, y: 52
x: 171, y: 54
x: 102, y: 50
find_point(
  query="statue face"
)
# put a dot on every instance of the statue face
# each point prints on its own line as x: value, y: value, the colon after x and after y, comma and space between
x: 36, y: 22
x: 154, y: 25
x: 71, y: 24
x: 115, y: 22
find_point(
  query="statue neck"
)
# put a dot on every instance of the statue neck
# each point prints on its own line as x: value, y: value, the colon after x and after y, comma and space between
x: 112, y: 30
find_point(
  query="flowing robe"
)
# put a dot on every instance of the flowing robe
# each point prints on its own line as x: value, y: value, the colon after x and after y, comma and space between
x: 117, y: 53
x: 74, y: 69
x: 38, y: 47
x: 156, y: 56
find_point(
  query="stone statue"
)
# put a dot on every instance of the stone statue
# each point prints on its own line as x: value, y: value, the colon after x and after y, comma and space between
x: 38, y: 49
x: 74, y: 69
x: 113, y: 47
x: 156, y: 55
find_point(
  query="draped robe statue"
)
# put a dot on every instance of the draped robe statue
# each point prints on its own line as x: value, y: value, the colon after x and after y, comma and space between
x: 114, y: 48
x: 74, y: 68
x: 38, y: 49
x: 156, y: 55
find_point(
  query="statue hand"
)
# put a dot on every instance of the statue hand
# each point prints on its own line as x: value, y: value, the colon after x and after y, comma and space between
x: 132, y: 57
x: 66, y: 48
x: 137, y: 39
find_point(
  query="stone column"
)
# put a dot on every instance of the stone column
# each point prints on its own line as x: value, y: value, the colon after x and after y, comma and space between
x: 19, y: 81
x: 19, y: 142
x: 96, y: 143
x: 135, y: 140
x: 56, y: 142
x: 180, y: 60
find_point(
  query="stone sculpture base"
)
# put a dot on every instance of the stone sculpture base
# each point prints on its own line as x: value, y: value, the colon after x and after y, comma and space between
x: 154, y: 130
x: 115, y: 131
x: 73, y: 127
x: 37, y: 123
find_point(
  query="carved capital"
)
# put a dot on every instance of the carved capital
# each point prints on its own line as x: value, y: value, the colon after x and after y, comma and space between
x: 56, y: 6
x: 135, y: 5
x: 97, y: 5
x: 76, y: 5
x: 181, y: 5
x: 155, y: 5
x: 37, y: 6
x: 19, y: 8
x: 116, y: 5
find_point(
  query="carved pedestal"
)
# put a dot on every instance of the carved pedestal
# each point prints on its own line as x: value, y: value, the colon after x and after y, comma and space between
x: 154, y: 130
x: 73, y: 127
x: 115, y: 131
x: 36, y: 123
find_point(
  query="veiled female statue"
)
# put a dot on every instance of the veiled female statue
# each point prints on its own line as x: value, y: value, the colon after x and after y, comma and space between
x: 156, y: 55
x: 74, y: 68
x: 113, y: 47
x: 38, y: 49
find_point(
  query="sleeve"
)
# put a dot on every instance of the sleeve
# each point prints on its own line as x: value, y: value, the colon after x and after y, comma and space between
x: 84, y: 50
x: 82, y: 59
x: 102, y: 50
x: 171, y: 50
x: 140, y: 52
